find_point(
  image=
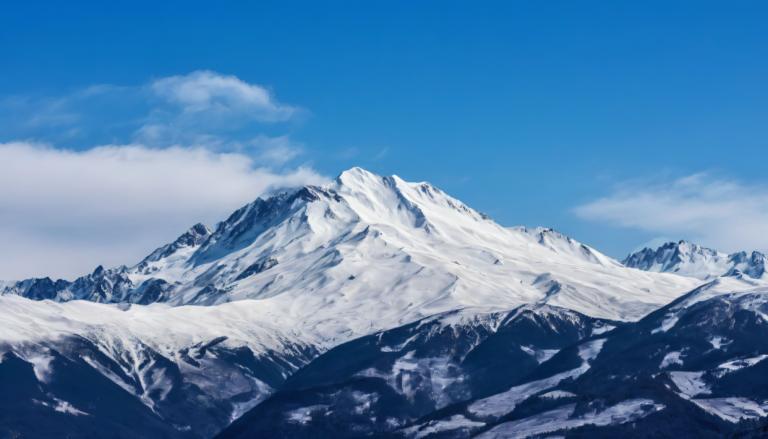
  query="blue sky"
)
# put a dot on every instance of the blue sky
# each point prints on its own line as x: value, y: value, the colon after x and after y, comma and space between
x: 618, y: 123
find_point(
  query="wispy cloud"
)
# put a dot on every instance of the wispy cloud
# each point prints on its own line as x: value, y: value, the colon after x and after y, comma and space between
x: 201, y: 108
x: 209, y: 92
x: 106, y: 173
x: 274, y: 150
x: 204, y: 107
x: 63, y: 212
x: 722, y: 213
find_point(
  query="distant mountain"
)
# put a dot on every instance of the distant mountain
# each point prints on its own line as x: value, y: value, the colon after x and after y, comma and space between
x: 689, y: 259
x: 115, y: 285
x: 396, y: 305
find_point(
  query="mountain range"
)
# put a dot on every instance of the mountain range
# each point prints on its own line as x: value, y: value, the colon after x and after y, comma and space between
x: 689, y: 259
x: 372, y: 306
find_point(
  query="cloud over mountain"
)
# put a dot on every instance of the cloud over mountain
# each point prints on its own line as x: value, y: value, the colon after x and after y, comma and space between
x: 110, y: 170
x: 717, y: 212
x: 64, y: 211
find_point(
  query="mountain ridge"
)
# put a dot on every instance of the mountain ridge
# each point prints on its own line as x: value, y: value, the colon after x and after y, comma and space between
x: 207, y: 327
x: 358, y: 230
x: 691, y: 259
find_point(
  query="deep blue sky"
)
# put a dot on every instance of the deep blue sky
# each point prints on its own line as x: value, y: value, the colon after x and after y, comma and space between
x: 523, y: 109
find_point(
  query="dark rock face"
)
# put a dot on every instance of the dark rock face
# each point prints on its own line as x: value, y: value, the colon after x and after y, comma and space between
x: 40, y: 289
x: 695, y: 368
x: 77, y: 400
x: 690, y: 259
x: 193, y: 237
x: 246, y: 224
x: 150, y: 291
x: 85, y: 390
x: 111, y: 285
x: 257, y: 267
x: 379, y: 384
x: 753, y: 265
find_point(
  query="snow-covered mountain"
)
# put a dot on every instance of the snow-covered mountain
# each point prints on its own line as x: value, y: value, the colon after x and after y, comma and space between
x: 209, y: 326
x: 690, y: 369
x: 365, y: 245
x: 689, y: 259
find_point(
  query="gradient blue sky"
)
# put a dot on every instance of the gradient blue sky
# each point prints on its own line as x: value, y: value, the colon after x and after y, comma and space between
x: 553, y: 113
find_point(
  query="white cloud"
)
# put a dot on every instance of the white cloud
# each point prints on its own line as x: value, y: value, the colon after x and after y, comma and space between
x: 207, y: 108
x: 199, y: 108
x: 275, y: 150
x: 725, y: 214
x: 183, y: 149
x: 206, y: 91
x: 63, y: 212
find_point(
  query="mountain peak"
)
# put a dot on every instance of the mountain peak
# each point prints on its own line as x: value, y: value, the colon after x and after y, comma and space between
x: 193, y: 237
x: 356, y: 176
x: 356, y: 170
x: 690, y: 259
x: 199, y: 229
